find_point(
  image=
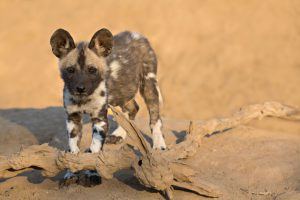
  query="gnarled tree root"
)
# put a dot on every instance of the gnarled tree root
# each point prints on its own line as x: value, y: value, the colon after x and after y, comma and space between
x: 161, y: 170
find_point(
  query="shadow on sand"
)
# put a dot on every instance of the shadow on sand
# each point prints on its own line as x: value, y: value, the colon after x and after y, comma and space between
x: 37, y: 126
x: 48, y: 126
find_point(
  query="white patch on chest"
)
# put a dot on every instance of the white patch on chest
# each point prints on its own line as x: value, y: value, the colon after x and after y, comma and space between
x: 114, y: 68
x: 91, y: 107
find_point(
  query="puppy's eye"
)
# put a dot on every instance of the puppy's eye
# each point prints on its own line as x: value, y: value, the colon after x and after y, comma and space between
x: 70, y: 70
x: 92, y: 70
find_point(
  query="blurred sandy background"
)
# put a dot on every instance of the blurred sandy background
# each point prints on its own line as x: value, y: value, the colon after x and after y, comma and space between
x: 214, y: 56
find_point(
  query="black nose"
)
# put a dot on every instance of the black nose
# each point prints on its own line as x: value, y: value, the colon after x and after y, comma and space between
x: 80, y: 89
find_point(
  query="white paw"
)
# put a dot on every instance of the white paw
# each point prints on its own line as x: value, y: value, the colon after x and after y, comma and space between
x: 157, y: 136
x: 159, y: 142
x: 69, y: 175
x: 96, y: 143
x: 120, y: 132
x: 75, y: 150
x: 73, y: 145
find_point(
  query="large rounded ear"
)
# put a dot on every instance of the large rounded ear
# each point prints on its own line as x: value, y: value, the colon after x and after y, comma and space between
x: 102, y: 42
x: 61, y: 42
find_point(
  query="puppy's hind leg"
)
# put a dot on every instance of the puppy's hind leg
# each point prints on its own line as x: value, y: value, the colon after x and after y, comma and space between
x: 150, y: 92
x: 130, y: 110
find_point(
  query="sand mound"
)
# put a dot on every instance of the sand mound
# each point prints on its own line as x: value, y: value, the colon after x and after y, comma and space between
x: 13, y: 136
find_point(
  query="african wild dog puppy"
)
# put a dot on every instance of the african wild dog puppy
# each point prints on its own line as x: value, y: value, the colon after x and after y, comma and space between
x: 107, y: 70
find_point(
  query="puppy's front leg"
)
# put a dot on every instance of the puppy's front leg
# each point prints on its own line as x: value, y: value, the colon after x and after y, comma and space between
x: 74, y: 127
x: 100, y: 128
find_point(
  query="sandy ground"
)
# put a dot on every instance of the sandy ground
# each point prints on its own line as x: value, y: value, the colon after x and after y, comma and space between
x: 214, y: 56
x: 259, y: 161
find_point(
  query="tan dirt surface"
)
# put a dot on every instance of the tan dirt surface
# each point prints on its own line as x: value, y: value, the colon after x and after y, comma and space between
x: 259, y: 161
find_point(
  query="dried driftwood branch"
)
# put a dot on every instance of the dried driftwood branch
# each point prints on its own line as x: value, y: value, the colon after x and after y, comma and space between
x: 248, y: 113
x: 156, y: 169
x: 51, y: 161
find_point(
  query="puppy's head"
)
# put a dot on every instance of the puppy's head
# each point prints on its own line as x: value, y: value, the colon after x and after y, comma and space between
x: 82, y: 66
